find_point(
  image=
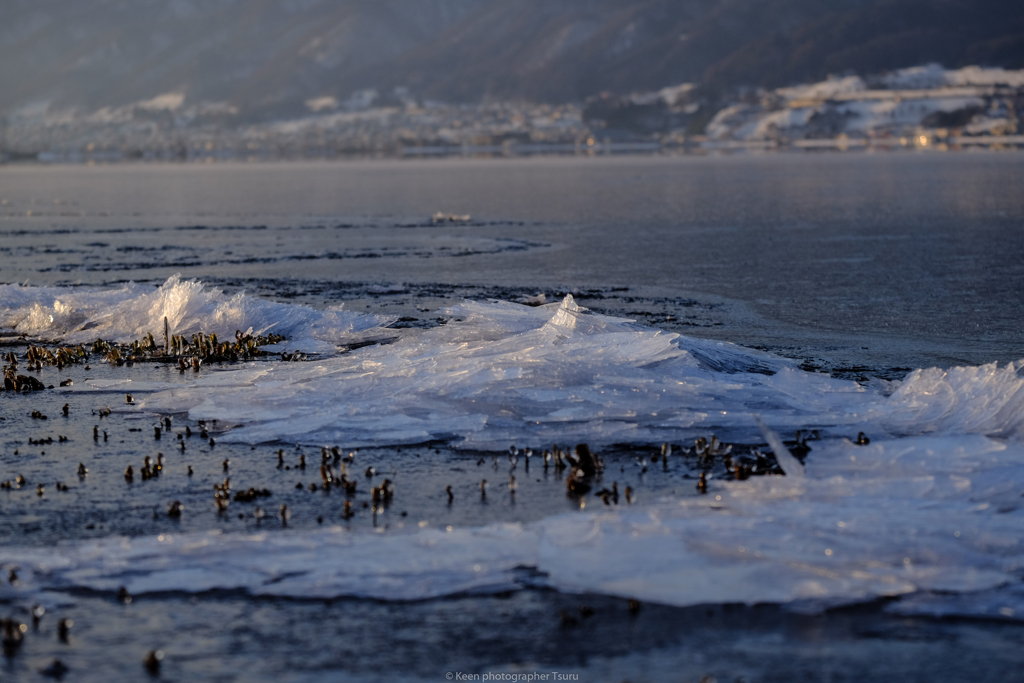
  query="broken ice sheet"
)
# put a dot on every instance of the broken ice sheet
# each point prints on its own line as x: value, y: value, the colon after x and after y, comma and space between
x: 74, y: 315
x: 930, y: 506
x: 502, y: 373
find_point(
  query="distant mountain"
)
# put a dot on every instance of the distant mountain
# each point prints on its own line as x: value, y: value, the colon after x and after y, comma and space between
x: 268, y: 59
x: 263, y: 56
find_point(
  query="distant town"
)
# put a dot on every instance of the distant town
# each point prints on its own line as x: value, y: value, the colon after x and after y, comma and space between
x: 924, y: 107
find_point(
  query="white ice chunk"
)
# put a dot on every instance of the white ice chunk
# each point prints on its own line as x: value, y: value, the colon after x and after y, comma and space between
x: 790, y: 465
x: 122, y: 315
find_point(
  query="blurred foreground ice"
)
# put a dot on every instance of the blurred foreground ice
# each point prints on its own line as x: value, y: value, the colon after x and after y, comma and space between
x: 936, y: 517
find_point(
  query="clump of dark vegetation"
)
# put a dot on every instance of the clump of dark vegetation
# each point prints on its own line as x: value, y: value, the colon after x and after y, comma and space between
x: 250, y: 495
x: 199, y: 348
x: 15, y: 382
x: 203, y: 348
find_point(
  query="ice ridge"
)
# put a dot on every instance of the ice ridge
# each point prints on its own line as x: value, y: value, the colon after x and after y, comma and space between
x: 500, y: 373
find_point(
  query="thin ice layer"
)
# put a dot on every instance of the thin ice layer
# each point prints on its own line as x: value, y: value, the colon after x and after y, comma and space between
x: 907, y: 517
x: 133, y: 311
x: 317, y: 564
x: 892, y: 518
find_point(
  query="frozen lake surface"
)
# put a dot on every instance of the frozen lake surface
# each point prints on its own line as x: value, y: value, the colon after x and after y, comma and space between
x: 866, y: 309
